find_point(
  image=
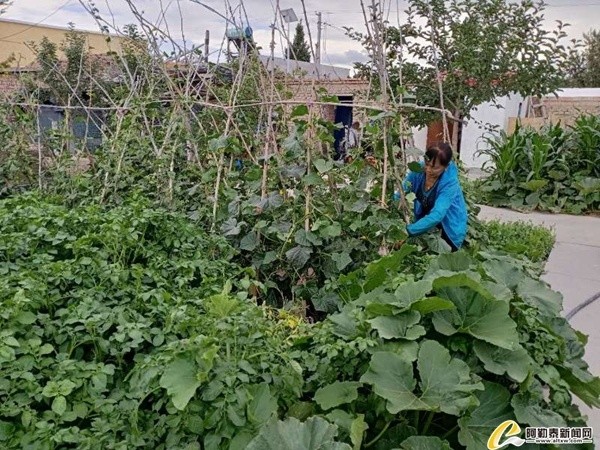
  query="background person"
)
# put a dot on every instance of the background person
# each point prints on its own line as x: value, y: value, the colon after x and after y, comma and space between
x: 440, y: 202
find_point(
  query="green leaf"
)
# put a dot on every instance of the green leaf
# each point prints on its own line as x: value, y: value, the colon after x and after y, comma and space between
x: 534, y: 185
x: 587, y: 391
x: 307, y: 238
x: 446, y: 382
x: 332, y: 231
x: 536, y: 293
x: 337, y: 393
x: 516, y: 363
x: 342, y: 260
x: 392, y: 378
x: 250, y: 241
x: 59, y: 405
x: 298, y: 111
x: 263, y: 405
x: 424, y: 443
x: 26, y: 318
x: 323, y: 166
x: 493, y: 409
x: 218, y: 143
x: 6, y: 430
x: 181, y: 381
x: 432, y: 304
x: 298, y: 256
x: 357, y: 431
x: 403, y: 326
x: 345, y: 325
x: 411, y: 292
x: 314, y: 434
x: 504, y: 273
x: 414, y: 166
x: 529, y: 411
x: 481, y: 317
x: 377, y: 271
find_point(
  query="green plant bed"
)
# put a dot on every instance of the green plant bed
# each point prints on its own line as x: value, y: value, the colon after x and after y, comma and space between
x: 130, y: 327
x: 520, y: 238
x: 555, y: 169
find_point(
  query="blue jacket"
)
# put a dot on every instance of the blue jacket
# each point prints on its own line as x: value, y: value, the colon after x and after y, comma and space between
x: 449, y: 209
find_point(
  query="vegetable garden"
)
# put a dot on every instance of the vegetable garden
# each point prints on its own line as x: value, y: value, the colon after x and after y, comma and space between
x: 203, y: 286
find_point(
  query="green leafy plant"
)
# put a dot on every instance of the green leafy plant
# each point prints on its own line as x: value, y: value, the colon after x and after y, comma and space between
x: 520, y: 238
x: 553, y: 169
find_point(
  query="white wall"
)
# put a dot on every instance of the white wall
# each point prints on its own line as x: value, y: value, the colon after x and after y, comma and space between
x: 483, y: 118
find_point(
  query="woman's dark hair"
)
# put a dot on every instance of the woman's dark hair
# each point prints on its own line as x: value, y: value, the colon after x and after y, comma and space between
x: 441, y: 152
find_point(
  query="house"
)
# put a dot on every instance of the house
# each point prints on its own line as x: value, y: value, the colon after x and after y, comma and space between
x: 564, y: 107
x: 18, y: 40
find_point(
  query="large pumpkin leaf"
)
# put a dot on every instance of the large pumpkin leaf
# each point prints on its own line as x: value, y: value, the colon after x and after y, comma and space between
x: 446, y: 383
x: 411, y: 292
x: 493, y: 409
x: 181, y: 381
x: 402, y: 326
x: 516, y: 363
x: 528, y: 410
x: 336, y: 394
x: 504, y: 272
x: 314, y: 434
x: 475, y: 314
x: 393, y: 379
x: 263, y: 404
x: 536, y: 293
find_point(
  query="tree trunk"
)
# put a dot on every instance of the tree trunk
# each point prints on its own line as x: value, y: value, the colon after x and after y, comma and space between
x: 455, y: 130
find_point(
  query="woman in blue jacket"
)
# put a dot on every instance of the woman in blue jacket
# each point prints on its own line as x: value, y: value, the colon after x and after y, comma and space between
x: 440, y: 202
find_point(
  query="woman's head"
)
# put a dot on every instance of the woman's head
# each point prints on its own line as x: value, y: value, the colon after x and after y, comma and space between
x: 437, y: 158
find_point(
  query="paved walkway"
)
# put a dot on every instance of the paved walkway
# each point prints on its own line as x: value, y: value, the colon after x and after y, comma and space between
x: 574, y: 270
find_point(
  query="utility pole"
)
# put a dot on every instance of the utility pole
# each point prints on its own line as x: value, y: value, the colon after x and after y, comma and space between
x: 318, y: 44
x: 206, y: 43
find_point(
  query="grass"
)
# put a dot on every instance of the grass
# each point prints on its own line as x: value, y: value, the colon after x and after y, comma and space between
x: 521, y: 238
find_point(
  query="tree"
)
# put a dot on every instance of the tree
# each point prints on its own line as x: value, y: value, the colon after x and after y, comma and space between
x: 585, y: 71
x: 484, y: 49
x: 299, y: 50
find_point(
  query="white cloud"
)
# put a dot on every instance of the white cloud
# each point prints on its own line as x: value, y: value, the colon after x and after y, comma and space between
x: 337, y: 48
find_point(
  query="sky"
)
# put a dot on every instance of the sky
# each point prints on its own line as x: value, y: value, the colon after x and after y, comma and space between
x: 188, y: 21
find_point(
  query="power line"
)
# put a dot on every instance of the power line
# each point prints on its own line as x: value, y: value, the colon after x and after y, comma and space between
x: 38, y: 23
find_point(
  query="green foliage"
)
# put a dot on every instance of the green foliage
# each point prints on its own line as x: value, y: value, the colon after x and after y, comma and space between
x: 130, y: 327
x: 479, y: 56
x: 520, y: 238
x: 554, y: 169
x: 114, y: 321
x: 299, y: 49
x: 586, y: 65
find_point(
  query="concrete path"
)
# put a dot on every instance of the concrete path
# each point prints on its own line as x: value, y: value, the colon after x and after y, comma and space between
x: 574, y: 270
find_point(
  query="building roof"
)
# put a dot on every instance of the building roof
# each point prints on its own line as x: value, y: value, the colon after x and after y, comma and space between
x: 577, y: 92
x: 55, y: 27
x: 308, y: 69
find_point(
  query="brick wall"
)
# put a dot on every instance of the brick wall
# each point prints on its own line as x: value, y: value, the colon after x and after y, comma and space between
x: 567, y: 109
x: 9, y: 84
x: 306, y: 91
